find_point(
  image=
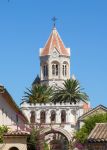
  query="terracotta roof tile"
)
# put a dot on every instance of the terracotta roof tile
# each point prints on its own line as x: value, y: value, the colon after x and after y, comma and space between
x: 86, y: 106
x: 54, y: 41
x: 16, y: 133
x: 99, y: 133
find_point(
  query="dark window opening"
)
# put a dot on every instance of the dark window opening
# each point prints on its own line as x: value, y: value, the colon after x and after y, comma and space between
x: 63, y: 116
x: 32, y: 117
x: 42, y: 117
x: 45, y: 70
x: 53, y: 116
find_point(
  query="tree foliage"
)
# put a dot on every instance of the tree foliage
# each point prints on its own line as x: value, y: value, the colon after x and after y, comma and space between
x: 38, y: 94
x: 46, y: 146
x: 3, y: 130
x: 89, y: 124
x: 33, y: 139
x: 70, y: 92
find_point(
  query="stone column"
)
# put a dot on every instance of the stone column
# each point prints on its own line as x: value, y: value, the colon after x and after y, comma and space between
x: 37, y: 116
x: 48, y: 116
x: 61, y: 75
x: 68, y: 69
x: 68, y: 116
x: 49, y: 70
x: 58, y: 116
x: 41, y: 72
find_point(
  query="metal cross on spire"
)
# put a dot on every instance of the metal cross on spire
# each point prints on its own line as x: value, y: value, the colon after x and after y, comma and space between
x: 54, y: 21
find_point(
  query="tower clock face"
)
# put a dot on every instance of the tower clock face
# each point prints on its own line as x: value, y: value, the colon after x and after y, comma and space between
x: 55, y: 54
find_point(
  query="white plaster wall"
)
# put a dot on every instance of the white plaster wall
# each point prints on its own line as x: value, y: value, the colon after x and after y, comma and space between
x: 73, y: 111
x: 19, y: 142
x: 8, y: 115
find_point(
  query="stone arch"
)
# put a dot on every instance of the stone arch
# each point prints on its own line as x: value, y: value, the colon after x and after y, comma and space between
x: 13, y: 148
x: 60, y: 130
x: 65, y: 62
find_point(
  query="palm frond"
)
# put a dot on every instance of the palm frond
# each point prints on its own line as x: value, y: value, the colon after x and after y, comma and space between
x: 70, y: 92
x: 38, y: 94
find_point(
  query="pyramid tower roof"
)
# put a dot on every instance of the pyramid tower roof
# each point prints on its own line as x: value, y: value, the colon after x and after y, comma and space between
x: 54, y: 41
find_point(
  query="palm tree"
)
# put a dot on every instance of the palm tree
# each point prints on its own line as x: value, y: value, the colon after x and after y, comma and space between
x: 38, y: 94
x: 70, y: 92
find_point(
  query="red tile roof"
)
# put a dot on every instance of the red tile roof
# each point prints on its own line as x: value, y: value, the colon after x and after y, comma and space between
x: 54, y: 41
x: 99, y: 133
x: 16, y: 133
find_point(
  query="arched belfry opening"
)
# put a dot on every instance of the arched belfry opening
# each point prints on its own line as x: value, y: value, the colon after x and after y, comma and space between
x: 65, y: 69
x: 45, y: 70
x: 55, y: 69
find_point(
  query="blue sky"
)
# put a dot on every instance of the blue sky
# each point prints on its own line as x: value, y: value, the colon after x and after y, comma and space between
x: 24, y: 28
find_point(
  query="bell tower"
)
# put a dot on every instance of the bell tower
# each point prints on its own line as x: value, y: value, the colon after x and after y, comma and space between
x: 54, y: 60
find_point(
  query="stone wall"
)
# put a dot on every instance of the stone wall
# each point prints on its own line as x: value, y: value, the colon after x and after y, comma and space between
x: 17, y: 141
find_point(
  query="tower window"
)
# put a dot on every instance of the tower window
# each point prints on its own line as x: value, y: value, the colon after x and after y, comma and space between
x: 55, y: 69
x: 64, y: 69
x: 45, y: 70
